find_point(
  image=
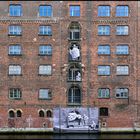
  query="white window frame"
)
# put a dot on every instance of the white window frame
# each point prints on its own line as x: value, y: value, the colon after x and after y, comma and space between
x: 103, y: 10
x: 14, y: 8
x: 103, y: 93
x: 16, y: 93
x: 104, y: 30
x: 14, y: 50
x: 14, y: 70
x: 120, y: 12
x: 122, y: 49
x: 103, y: 70
x: 45, y: 30
x: 122, y: 30
x: 45, y: 50
x: 45, y: 70
x: 122, y: 70
x: 122, y: 93
x: 15, y: 30
x: 104, y: 50
x: 45, y: 93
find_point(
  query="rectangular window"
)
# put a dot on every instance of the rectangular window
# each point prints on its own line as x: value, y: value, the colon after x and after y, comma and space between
x: 75, y: 10
x: 45, y: 50
x: 103, y: 93
x: 122, y: 70
x: 104, y: 49
x: 122, y: 30
x: 103, y: 11
x: 14, y: 30
x: 103, y: 70
x: 122, y: 11
x: 45, y: 94
x: 14, y: 50
x: 15, y: 10
x: 45, y: 30
x: 45, y: 10
x: 103, y: 30
x: 14, y: 93
x: 122, y: 93
x: 14, y: 70
x: 45, y: 69
x: 122, y: 50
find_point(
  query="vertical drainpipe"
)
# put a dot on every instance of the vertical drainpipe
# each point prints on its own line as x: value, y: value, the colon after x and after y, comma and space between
x: 60, y: 76
x: 88, y: 37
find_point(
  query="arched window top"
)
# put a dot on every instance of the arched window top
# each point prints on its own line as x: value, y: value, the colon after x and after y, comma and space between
x: 19, y: 113
x: 11, y: 113
x: 41, y: 113
x: 49, y: 113
x: 74, y: 26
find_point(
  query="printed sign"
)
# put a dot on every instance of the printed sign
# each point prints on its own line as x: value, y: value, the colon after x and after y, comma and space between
x: 76, y: 119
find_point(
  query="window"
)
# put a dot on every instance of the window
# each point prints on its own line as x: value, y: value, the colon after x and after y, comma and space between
x: 74, y: 31
x: 14, y: 70
x: 103, y: 111
x: 45, y: 69
x: 14, y: 30
x: 122, y: 93
x: 14, y: 93
x: 104, y: 49
x: 15, y: 10
x: 14, y: 50
x: 74, y: 74
x: 41, y: 113
x: 103, y: 30
x: 104, y: 11
x: 75, y: 10
x: 45, y: 10
x: 103, y: 93
x: 45, y: 94
x: 49, y: 114
x: 45, y: 30
x: 122, y: 30
x: 45, y: 50
x: 122, y: 50
x: 74, y: 95
x: 103, y: 70
x: 122, y: 11
x: 11, y: 114
x: 19, y: 114
x: 122, y: 70
x: 74, y: 52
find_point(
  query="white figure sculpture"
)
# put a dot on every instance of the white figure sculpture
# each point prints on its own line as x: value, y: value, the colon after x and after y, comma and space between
x: 74, y: 52
x: 78, y: 76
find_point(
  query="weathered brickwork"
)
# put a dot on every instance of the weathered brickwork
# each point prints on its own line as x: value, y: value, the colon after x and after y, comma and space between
x: 122, y: 112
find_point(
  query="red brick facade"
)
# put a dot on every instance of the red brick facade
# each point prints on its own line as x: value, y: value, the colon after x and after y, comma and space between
x: 121, y: 112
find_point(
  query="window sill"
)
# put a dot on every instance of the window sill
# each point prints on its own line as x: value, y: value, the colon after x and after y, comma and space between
x: 104, y: 35
x: 121, y: 98
x: 74, y: 39
x: 14, y: 54
x: 122, y: 54
x: 74, y: 104
x: 122, y: 75
x: 44, y: 74
x: 74, y: 60
x: 103, y: 97
x: 44, y: 55
x: 14, y: 74
x: 44, y: 98
x: 44, y: 35
x: 122, y: 35
x: 14, y: 35
x: 104, y: 54
x: 103, y: 75
x: 15, y: 98
x: 73, y: 81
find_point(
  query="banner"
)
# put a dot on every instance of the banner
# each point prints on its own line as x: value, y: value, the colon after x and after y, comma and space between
x: 75, y: 119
